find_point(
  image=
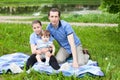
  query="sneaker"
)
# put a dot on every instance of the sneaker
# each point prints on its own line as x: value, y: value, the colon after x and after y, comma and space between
x: 47, y: 63
x: 15, y: 68
x: 64, y: 66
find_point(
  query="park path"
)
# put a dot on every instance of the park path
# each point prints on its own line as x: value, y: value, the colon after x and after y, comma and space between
x: 24, y: 20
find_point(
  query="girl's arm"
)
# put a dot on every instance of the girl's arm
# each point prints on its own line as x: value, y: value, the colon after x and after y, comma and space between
x: 33, y: 49
x: 53, y: 49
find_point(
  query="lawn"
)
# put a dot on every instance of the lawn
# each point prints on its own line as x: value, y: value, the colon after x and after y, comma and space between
x: 104, y: 17
x: 103, y: 44
x: 38, y: 2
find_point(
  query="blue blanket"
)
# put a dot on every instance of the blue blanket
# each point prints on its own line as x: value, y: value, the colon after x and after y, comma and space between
x: 20, y: 59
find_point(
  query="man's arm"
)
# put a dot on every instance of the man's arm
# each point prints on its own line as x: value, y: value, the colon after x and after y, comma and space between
x: 73, y: 49
x: 33, y: 48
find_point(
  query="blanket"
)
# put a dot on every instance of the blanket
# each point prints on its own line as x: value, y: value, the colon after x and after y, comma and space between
x: 20, y: 58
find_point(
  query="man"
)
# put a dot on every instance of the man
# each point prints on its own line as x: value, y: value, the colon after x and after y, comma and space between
x: 69, y: 43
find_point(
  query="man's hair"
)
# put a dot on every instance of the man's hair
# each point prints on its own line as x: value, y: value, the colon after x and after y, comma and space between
x: 45, y: 33
x: 36, y: 21
x: 54, y: 10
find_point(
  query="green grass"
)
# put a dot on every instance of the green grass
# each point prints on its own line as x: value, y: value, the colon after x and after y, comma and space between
x: 37, y: 2
x: 102, y: 43
x: 23, y: 2
x: 85, y: 18
x: 14, y: 38
x: 92, y: 18
x: 88, y: 18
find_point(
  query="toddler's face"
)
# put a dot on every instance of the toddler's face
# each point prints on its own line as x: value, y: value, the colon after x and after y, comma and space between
x: 45, y: 38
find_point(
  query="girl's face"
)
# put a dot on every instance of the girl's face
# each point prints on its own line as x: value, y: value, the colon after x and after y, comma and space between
x: 45, y: 38
x: 54, y: 18
x: 37, y: 28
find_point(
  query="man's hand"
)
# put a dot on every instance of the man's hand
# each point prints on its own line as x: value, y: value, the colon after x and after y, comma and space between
x: 75, y: 65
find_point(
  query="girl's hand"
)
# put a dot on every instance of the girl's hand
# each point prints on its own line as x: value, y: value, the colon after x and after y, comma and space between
x: 38, y: 52
x: 44, y: 50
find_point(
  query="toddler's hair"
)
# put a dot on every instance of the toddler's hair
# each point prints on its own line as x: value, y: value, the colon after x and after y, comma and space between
x: 45, y: 33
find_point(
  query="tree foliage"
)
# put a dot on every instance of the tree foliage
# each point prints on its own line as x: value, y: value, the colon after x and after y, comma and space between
x: 112, y: 6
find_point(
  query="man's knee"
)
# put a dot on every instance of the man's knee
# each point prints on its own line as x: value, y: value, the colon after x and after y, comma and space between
x: 83, y: 60
x: 86, y: 58
x: 59, y: 60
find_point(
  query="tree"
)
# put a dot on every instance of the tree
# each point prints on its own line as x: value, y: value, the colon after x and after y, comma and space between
x: 111, y: 6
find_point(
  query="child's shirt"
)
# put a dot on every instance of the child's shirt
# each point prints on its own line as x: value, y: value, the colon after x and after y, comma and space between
x: 41, y: 44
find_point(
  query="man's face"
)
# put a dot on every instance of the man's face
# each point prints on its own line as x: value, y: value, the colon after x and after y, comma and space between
x: 54, y: 18
x: 37, y: 28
